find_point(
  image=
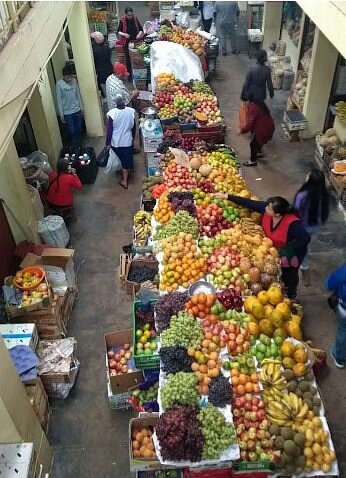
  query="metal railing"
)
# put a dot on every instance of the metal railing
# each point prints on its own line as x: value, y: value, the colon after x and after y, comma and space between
x: 11, y: 15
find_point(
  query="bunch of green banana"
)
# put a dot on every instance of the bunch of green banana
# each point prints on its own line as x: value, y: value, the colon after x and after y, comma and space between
x: 142, y: 224
x: 287, y: 410
x: 341, y: 110
x: 249, y: 226
x: 271, y: 375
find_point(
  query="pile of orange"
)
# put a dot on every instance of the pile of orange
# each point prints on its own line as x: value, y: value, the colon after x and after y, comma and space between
x: 242, y: 383
x: 142, y: 443
x: 207, y: 370
x: 199, y: 306
x: 182, y: 272
x: 163, y: 211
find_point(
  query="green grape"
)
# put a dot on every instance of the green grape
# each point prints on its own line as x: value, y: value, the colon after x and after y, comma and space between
x: 183, y: 330
x: 180, y: 222
x: 218, y: 434
x: 180, y: 389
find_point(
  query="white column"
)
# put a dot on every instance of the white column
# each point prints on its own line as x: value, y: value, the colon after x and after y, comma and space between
x: 44, y: 121
x: 15, y: 193
x: 321, y: 74
x: 271, y: 27
x: 85, y: 68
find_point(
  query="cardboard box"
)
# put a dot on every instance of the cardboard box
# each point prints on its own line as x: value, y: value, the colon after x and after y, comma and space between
x: 142, y: 464
x: 39, y: 402
x: 17, y: 459
x: 119, y: 401
x: 138, y: 262
x: 19, y: 334
x: 58, y: 265
x: 44, y: 460
x: 121, y: 383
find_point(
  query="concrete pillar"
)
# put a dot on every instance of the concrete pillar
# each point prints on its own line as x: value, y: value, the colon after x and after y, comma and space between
x: 321, y: 74
x: 271, y: 27
x: 15, y: 193
x: 59, y: 59
x: 44, y: 120
x: 83, y: 57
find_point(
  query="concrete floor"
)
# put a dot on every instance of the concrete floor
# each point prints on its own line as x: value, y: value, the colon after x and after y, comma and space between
x: 89, y: 439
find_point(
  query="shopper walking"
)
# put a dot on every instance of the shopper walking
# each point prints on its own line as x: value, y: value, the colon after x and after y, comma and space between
x: 102, y: 60
x: 336, y: 282
x: 260, y: 123
x: 226, y: 16
x: 312, y: 204
x: 129, y: 29
x: 282, y: 225
x: 70, y: 105
x: 258, y: 79
x: 61, y: 185
x: 207, y: 13
x: 121, y: 130
x: 115, y: 86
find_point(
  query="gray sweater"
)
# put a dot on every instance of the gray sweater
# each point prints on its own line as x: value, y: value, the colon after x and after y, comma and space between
x: 68, y: 97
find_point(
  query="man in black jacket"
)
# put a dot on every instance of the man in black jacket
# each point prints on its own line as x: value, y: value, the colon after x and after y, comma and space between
x: 258, y: 79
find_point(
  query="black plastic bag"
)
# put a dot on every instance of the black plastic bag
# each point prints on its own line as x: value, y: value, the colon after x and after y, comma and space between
x: 333, y: 301
x: 102, y: 158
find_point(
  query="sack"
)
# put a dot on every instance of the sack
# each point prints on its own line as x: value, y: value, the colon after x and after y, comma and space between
x: 113, y: 163
x: 333, y: 301
x: 102, y: 158
x: 212, y: 30
x: 243, y: 115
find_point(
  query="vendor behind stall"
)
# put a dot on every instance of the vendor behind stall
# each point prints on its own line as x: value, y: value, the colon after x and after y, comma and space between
x: 129, y: 29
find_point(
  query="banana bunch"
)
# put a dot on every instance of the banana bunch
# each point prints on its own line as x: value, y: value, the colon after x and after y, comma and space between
x: 249, y: 226
x: 287, y: 410
x: 271, y: 375
x: 142, y: 225
x: 341, y: 110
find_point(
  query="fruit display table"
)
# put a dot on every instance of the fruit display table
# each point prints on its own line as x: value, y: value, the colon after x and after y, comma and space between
x: 226, y: 370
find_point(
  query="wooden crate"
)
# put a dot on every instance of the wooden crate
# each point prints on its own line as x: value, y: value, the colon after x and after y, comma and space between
x: 123, y: 268
x: 130, y: 285
x: 39, y: 402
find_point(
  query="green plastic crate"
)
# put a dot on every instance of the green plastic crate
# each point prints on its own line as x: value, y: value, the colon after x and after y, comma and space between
x: 143, y: 361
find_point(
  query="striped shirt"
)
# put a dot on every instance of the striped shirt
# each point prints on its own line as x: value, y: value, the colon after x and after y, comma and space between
x: 114, y: 87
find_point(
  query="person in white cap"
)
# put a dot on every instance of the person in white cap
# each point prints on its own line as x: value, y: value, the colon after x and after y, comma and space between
x: 102, y: 60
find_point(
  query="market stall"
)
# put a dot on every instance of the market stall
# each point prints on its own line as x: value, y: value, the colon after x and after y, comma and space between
x: 228, y: 383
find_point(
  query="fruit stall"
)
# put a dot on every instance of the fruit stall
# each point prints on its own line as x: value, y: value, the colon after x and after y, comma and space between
x: 215, y: 363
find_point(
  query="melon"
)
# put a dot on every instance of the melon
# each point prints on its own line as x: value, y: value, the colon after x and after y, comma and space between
x: 277, y: 318
x: 195, y: 163
x: 254, y: 274
x: 275, y: 295
x: 266, y: 327
x: 205, y: 170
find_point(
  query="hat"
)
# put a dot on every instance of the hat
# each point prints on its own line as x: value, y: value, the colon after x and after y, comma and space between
x: 120, y: 69
x: 97, y: 37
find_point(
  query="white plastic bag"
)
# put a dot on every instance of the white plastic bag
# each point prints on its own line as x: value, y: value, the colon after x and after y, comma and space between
x: 112, y: 39
x: 113, y: 163
x: 53, y: 231
x: 212, y: 30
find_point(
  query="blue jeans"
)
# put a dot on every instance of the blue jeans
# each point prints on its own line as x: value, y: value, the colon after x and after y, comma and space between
x: 311, y: 230
x: 74, y: 126
x: 339, y: 347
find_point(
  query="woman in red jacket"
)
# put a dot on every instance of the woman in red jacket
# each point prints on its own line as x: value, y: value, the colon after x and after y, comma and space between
x: 61, y: 183
x: 261, y: 125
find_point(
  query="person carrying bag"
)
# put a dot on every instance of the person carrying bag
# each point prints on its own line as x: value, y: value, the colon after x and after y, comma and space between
x: 336, y: 282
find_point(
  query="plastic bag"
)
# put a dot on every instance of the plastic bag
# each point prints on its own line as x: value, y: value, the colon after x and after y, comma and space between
x: 53, y: 231
x: 180, y: 157
x: 39, y: 159
x: 243, y: 113
x: 102, y: 158
x: 212, y: 30
x: 113, y: 163
x: 112, y: 39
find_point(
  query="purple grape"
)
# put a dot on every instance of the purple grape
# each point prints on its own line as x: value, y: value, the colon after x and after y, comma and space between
x: 167, y: 306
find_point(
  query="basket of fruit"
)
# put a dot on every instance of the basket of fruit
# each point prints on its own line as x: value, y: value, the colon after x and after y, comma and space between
x: 29, y: 278
x: 144, y: 336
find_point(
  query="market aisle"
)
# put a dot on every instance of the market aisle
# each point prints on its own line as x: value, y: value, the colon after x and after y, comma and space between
x: 89, y: 439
